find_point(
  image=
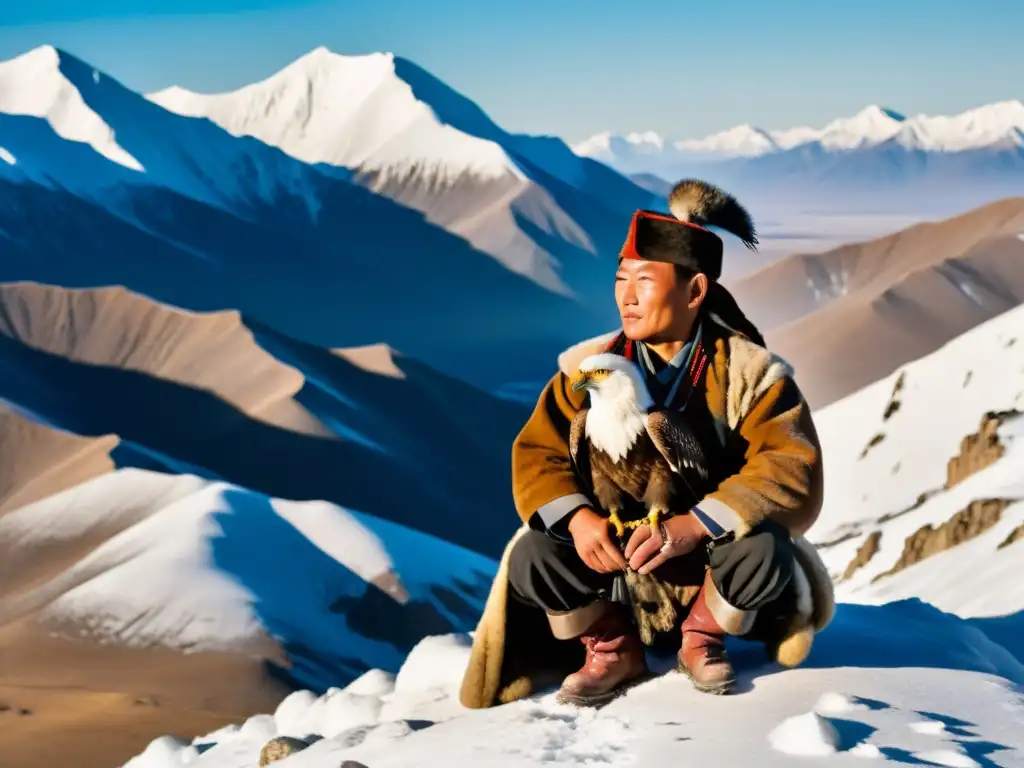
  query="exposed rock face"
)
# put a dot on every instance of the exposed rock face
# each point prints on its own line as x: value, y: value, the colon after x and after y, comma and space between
x: 279, y: 748
x: 978, y: 450
x: 965, y: 525
x: 865, y: 552
x: 1017, y: 534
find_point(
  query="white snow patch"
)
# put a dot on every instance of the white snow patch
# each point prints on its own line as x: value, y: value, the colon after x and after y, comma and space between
x: 930, y: 727
x: 837, y: 703
x: 806, y: 734
x: 866, y: 750
x: 948, y: 757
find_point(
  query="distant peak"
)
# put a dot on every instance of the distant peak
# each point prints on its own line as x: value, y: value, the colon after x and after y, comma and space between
x: 877, y: 111
x: 43, y: 55
x: 322, y: 56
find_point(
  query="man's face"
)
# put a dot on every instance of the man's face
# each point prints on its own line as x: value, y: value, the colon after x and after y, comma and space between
x: 654, y: 304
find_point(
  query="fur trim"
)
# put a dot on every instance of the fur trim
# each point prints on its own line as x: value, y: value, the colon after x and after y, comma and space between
x: 822, y: 590
x: 569, y: 360
x: 731, y: 619
x: 483, y: 674
x: 795, y: 647
x: 753, y: 370
x: 702, y: 203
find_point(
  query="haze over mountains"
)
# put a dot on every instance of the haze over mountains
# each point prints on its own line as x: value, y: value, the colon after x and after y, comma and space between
x: 877, y: 159
x: 849, y: 316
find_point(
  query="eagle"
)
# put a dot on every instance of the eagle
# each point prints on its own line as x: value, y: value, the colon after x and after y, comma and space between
x: 636, y: 453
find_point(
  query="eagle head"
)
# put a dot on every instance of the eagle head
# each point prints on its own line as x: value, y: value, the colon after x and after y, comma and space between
x: 612, y: 379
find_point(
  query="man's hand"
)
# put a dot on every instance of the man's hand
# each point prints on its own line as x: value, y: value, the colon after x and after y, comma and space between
x: 646, y: 550
x: 591, y: 534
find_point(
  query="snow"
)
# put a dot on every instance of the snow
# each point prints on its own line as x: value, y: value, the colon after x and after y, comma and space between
x: 184, y: 569
x: 741, y: 141
x: 348, y: 111
x: 806, y: 734
x: 872, y: 125
x: 897, y: 486
x: 837, y: 710
x: 33, y: 85
x: 1000, y: 124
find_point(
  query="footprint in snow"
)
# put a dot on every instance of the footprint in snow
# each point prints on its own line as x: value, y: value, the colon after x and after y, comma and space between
x: 584, y: 736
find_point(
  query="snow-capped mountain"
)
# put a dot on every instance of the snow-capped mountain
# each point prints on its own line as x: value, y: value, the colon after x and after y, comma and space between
x: 363, y: 170
x: 407, y: 135
x: 877, y: 151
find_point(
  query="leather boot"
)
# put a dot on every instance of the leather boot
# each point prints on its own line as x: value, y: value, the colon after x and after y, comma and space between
x: 703, y: 657
x: 615, y: 660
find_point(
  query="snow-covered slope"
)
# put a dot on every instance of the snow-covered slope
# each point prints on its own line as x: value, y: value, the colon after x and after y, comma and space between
x: 924, y: 469
x: 877, y: 153
x: 891, y: 702
x: 189, y: 564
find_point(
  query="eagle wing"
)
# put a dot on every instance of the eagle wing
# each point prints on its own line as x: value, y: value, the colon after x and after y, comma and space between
x: 675, y: 441
x: 577, y: 434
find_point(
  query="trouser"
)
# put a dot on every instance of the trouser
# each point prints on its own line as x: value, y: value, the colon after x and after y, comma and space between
x: 747, y: 574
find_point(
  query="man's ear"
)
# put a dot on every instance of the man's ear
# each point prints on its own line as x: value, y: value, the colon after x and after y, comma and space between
x: 698, y: 290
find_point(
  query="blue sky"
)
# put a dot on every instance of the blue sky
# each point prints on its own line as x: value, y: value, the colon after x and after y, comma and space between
x: 574, y: 67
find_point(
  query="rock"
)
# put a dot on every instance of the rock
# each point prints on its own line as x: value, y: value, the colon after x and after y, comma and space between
x: 978, y: 450
x: 279, y: 748
x: 352, y: 764
x: 864, y: 554
x: 970, y: 522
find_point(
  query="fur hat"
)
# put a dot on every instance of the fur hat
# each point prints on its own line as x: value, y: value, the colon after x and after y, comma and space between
x: 683, y: 237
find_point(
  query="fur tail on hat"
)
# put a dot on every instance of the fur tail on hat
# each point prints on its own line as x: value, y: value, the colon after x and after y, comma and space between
x: 702, y: 203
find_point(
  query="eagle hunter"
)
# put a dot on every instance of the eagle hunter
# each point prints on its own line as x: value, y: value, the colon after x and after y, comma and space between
x: 635, y: 450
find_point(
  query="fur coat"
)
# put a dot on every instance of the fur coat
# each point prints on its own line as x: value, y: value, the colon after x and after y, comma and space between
x: 767, y: 466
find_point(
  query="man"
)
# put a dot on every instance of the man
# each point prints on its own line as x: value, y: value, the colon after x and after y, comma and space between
x: 731, y: 552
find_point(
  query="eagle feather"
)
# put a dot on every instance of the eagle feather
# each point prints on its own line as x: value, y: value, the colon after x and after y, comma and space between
x: 700, y: 202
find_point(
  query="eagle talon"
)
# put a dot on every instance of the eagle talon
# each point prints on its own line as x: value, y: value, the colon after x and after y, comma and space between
x: 620, y: 529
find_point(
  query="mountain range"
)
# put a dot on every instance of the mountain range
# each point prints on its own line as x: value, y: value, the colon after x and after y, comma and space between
x: 850, y: 315
x: 875, y: 159
x: 344, y: 186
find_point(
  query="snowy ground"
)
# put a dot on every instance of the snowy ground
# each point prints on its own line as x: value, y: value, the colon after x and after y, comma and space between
x: 890, y: 699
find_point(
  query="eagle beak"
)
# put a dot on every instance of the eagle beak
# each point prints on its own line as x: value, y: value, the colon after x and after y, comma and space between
x: 582, y: 381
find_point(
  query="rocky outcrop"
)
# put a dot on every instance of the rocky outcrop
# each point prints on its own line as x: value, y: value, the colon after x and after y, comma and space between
x: 978, y: 450
x: 965, y: 525
x: 279, y: 748
x: 865, y: 552
x: 1017, y: 534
